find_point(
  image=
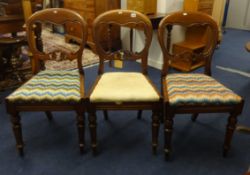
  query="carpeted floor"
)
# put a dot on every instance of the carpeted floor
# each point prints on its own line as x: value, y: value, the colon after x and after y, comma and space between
x: 124, y: 142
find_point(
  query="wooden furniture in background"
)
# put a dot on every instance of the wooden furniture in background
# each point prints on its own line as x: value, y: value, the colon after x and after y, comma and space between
x: 205, y: 6
x: 144, y: 6
x: 123, y: 90
x: 13, y: 20
x: 11, y: 23
x: 194, y: 42
x: 27, y: 9
x: 194, y: 93
x: 194, y: 37
x: 52, y: 93
x: 89, y: 10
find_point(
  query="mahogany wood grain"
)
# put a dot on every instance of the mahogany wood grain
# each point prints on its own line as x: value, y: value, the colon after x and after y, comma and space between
x: 57, y: 16
x: 90, y: 9
x: 191, y: 19
x: 130, y: 19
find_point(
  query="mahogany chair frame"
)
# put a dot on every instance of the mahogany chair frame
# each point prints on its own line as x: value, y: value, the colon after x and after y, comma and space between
x: 130, y: 19
x: 187, y: 19
x: 60, y: 17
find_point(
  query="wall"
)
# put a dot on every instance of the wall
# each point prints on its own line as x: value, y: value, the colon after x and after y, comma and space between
x: 167, y: 6
x: 239, y: 14
x: 155, y: 54
x: 218, y: 14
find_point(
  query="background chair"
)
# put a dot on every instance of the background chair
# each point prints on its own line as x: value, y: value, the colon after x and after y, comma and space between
x: 123, y: 90
x: 50, y: 90
x: 194, y: 93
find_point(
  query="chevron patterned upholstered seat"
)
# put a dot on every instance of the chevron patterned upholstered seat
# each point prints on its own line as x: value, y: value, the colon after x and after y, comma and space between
x: 191, y: 89
x: 194, y: 93
x: 49, y: 90
x: 49, y: 86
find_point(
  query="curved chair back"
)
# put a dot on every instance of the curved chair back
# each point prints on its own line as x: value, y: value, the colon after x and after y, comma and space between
x: 55, y: 16
x: 121, y: 18
x: 187, y: 20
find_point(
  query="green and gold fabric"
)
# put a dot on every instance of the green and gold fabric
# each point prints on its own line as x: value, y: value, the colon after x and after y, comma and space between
x: 49, y: 86
x: 201, y: 89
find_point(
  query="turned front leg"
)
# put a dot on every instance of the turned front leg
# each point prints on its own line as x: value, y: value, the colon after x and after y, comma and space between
x: 155, y: 130
x: 231, y: 125
x: 81, y: 129
x: 92, y: 127
x: 168, y: 130
x: 17, y: 130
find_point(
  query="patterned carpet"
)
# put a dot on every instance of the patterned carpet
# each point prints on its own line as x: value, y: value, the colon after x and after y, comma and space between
x: 51, y: 41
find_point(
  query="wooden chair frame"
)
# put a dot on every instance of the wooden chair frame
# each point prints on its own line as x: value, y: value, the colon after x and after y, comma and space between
x: 125, y: 18
x: 55, y: 16
x: 190, y: 19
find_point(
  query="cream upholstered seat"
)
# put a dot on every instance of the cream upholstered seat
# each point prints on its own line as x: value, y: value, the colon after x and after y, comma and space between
x: 122, y: 90
x: 124, y: 87
x: 191, y: 89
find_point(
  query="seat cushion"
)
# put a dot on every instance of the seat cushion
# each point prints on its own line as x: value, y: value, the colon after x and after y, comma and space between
x: 191, y: 89
x: 124, y: 87
x: 49, y: 86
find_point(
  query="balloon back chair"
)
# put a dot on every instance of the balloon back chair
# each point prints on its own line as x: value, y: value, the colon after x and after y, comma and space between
x: 194, y: 93
x: 123, y: 90
x: 51, y: 90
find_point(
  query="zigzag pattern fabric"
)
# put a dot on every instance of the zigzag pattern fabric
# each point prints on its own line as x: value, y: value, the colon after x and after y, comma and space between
x: 200, y: 89
x: 47, y: 86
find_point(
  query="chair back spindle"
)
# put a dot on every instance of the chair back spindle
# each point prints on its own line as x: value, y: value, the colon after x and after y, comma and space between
x: 55, y: 16
x: 188, y: 20
x: 122, y: 18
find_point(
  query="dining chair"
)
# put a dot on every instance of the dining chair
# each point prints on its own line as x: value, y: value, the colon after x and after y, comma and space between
x: 194, y: 93
x: 50, y: 90
x: 123, y: 90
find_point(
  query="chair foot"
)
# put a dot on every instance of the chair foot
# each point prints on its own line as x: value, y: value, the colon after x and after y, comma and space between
x: 94, y: 150
x: 194, y: 117
x: 139, y: 114
x: 49, y: 115
x: 20, y: 150
x: 106, y: 116
x: 225, y: 153
x: 167, y: 155
x: 81, y: 148
x: 154, y: 149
